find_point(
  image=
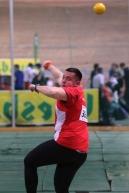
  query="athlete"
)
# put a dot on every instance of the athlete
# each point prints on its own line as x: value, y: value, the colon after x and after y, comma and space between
x: 69, y: 147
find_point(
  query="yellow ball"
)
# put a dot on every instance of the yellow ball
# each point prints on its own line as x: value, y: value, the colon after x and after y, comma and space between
x: 99, y: 8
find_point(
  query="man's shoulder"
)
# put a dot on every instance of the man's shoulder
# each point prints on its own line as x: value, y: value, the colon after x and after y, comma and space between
x: 76, y: 91
x: 74, y: 88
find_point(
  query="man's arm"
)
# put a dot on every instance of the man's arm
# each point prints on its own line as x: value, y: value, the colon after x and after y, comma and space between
x: 57, y: 74
x: 53, y: 92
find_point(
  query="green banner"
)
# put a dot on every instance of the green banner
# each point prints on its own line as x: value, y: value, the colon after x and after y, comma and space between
x: 37, y: 109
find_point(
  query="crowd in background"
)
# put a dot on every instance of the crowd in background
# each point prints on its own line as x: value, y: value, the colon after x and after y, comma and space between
x: 33, y: 73
x: 113, y: 89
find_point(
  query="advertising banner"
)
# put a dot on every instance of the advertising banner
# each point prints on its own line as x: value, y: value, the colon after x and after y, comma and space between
x: 31, y: 109
x: 5, y: 64
x: 92, y: 97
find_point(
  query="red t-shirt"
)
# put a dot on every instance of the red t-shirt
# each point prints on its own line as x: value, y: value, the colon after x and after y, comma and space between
x: 71, y: 121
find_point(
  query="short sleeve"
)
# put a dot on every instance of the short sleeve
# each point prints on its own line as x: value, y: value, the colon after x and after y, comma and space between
x: 72, y: 94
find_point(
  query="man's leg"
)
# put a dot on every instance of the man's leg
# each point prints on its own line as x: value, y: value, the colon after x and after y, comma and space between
x: 49, y: 153
x: 65, y: 172
x: 44, y: 154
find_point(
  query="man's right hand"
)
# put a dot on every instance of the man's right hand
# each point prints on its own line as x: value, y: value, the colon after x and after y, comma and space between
x: 47, y: 64
x: 57, y: 74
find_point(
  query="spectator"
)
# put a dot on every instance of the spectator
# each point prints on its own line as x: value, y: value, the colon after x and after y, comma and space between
x: 114, y: 69
x: 29, y: 74
x: 93, y: 73
x: 98, y: 82
x: 5, y: 82
x: 19, y: 78
x: 111, y: 108
x: 39, y: 76
x: 122, y: 69
x: 126, y: 79
x: 98, y: 79
x: 107, y: 109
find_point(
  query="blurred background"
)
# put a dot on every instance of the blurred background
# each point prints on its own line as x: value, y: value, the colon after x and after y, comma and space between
x: 70, y: 34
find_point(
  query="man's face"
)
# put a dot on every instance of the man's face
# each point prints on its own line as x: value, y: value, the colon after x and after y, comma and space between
x: 69, y: 79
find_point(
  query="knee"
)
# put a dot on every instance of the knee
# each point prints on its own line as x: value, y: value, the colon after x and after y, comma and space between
x: 28, y: 160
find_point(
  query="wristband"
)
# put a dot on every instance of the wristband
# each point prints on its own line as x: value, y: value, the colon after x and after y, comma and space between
x: 35, y: 88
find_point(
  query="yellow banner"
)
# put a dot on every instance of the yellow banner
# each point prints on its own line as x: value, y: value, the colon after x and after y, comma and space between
x: 37, y: 109
x: 92, y: 96
x: 5, y: 108
x: 5, y: 64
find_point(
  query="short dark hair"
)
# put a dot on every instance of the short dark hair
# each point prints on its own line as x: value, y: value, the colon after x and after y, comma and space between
x: 96, y: 65
x: 76, y: 71
x: 30, y: 65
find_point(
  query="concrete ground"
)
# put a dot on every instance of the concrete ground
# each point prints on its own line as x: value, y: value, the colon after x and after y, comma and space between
x: 106, y: 169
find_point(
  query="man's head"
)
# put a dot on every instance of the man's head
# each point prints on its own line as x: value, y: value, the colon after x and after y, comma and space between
x: 71, y: 77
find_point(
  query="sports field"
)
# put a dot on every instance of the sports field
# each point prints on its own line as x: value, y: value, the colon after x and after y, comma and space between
x: 76, y: 36
x: 106, y: 169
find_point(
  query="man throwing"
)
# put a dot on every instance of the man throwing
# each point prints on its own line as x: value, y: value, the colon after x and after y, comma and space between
x: 69, y: 148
